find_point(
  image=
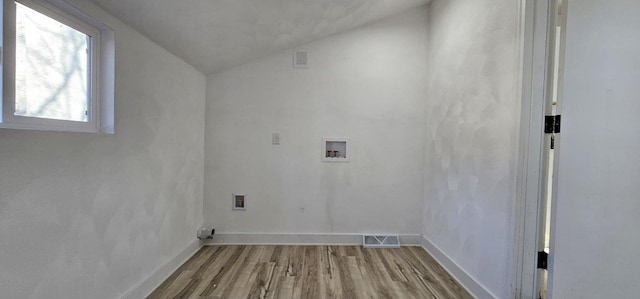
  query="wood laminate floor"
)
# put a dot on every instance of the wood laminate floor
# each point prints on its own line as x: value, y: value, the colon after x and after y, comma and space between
x: 309, y: 272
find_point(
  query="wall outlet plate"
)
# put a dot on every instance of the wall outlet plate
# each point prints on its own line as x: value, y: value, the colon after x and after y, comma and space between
x: 300, y: 57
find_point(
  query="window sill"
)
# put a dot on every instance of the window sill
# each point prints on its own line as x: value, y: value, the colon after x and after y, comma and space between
x: 35, y: 127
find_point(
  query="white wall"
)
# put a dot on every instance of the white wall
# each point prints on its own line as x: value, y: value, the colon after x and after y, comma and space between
x: 472, y: 137
x: 595, y: 243
x: 366, y: 84
x: 88, y: 215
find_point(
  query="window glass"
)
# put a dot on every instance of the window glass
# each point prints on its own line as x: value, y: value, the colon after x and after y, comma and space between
x: 52, y: 68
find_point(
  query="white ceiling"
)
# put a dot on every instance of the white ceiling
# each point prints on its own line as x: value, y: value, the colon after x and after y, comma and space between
x: 213, y: 35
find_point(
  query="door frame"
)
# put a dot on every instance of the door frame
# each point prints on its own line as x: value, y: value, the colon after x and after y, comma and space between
x: 536, y: 42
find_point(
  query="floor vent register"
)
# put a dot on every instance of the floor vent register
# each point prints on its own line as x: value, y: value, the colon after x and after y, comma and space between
x: 380, y: 241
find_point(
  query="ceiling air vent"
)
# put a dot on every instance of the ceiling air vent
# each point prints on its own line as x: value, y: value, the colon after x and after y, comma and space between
x: 300, y: 59
x: 380, y: 241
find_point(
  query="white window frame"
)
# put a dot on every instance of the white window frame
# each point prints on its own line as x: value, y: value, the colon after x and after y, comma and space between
x: 100, y: 104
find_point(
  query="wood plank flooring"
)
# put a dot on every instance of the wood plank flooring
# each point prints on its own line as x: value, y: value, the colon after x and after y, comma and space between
x: 309, y: 272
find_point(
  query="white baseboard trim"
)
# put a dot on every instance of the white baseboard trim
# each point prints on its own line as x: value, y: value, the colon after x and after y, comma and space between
x: 476, y: 289
x: 299, y: 239
x: 160, y: 274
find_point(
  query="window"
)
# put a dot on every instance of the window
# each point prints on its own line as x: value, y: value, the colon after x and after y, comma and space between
x: 57, y: 71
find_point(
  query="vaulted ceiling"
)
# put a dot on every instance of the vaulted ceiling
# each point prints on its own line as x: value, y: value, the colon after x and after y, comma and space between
x: 213, y: 35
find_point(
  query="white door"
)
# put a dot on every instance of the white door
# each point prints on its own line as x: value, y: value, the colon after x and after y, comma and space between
x: 595, y: 240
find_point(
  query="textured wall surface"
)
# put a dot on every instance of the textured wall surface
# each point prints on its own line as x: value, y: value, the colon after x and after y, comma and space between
x: 472, y: 136
x: 88, y: 215
x: 222, y: 34
x: 366, y: 84
x: 596, y: 217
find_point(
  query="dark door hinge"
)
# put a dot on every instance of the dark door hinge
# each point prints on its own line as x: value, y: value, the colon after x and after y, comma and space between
x: 542, y: 260
x: 552, y: 124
